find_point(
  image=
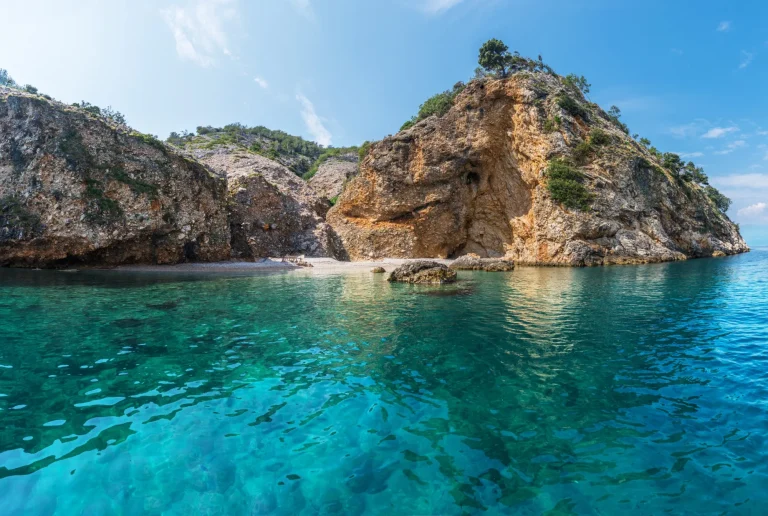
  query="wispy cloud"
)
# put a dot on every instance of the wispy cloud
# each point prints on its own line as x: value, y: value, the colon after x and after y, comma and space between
x: 438, y: 6
x: 738, y: 144
x: 313, y: 122
x: 689, y: 154
x: 724, y: 26
x: 261, y: 82
x: 746, y: 59
x: 719, y: 132
x: 198, y: 29
x: 687, y: 130
x: 676, y: 51
x: 753, y: 210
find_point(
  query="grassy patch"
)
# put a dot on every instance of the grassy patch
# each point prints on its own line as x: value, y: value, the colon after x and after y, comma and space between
x: 100, y: 209
x: 565, y: 186
x: 552, y: 124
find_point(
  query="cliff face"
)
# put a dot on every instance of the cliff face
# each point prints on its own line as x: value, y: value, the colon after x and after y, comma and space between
x: 272, y: 212
x: 75, y: 189
x: 475, y: 181
x: 334, y: 174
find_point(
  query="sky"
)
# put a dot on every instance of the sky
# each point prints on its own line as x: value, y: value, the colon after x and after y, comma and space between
x: 688, y: 75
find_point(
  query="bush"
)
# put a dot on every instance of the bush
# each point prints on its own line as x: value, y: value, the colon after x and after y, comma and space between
x: 437, y: 105
x: 599, y: 137
x: 582, y: 151
x: 721, y: 201
x: 363, y: 150
x: 577, y: 83
x: 30, y: 89
x: 565, y: 186
x: 570, y: 106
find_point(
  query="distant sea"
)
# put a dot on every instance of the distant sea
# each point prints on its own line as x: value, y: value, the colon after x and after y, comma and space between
x: 624, y: 389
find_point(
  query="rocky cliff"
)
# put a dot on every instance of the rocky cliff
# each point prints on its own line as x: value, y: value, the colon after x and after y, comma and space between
x: 476, y: 180
x: 272, y: 211
x: 76, y: 189
x: 333, y: 174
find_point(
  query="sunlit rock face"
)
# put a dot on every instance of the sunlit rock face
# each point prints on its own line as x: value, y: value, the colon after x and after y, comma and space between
x: 75, y: 189
x: 474, y: 181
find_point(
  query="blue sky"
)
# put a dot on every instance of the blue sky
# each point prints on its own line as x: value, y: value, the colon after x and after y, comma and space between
x: 689, y: 75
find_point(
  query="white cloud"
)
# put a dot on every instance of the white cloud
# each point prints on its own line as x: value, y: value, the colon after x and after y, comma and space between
x: 753, y: 210
x: 762, y: 133
x: 689, y: 154
x: 738, y: 144
x: 686, y: 130
x: 746, y: 59
x: 438, y: 6
x: 261, y: 82
x: 757, y: 181
x: 198, y: 29
x: 724, y: 26
x: 719, y: 132
x: 313, y: 122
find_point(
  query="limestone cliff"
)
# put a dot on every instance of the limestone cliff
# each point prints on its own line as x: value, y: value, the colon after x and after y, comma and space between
x: 75, y: 189
x: 475, y: 180
x: 272, y: 211
x: 333, y: 175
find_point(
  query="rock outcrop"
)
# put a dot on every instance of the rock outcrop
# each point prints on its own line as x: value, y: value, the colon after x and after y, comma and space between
x: 423, y: 271
x: 333, y: 174
x: 472, y: 262
x: 75, y: 189
x: 272, y: 212
x: 474, y: 181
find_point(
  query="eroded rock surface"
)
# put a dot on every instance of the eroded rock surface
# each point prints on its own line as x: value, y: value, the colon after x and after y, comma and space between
x: 473, y: 181
x: 423, y: 271
x: 272, y: 212
x: 75, y: 189
x: 333, y: 174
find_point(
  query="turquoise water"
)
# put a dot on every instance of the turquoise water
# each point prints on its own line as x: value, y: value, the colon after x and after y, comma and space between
x: 588, y: 391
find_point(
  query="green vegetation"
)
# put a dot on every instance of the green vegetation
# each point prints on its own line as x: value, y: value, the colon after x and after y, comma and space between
x: 570, y: 106
x: 599, y: 137
x: 614, y: 115
x: 721, y: 201
x: 329, y: 153
x: 577, y: 82
x: 363, y: 151
x: 6, y: 80
x: 149, y: 139
x: 552, y: 124
x: 495, y: 60
x: 74, y: 151
x: 30, y: 89
x: 565, y: 185
x: 100, y: 209
x: 15, y: 220
x: 139, y: 187
x: 106, y: 113
x: 334, y: 200
x: 438, y: 105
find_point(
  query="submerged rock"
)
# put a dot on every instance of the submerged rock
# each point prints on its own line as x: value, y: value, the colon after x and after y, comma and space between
x: 472, y: 262
x: 423, y: 272
x: 476, y: 181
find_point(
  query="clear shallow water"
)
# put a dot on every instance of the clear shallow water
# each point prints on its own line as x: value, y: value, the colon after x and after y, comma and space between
x: 590, y: 391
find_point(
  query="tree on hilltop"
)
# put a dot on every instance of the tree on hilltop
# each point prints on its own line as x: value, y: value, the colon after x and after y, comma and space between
x: 495, y: 57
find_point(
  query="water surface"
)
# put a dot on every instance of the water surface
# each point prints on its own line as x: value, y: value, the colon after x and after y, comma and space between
x: 587, y: 391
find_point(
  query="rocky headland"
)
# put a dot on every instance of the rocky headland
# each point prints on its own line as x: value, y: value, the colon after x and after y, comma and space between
x: 518, y: 167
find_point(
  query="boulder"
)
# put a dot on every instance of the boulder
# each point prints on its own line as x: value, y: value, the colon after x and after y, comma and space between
x: 423, y: 271
x: 472, y: 262
x: 378, y: 270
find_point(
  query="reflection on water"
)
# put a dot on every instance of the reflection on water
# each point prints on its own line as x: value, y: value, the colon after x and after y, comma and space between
x: 637, y: 389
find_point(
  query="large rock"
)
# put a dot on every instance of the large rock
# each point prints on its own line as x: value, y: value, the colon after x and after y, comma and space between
x: 75, y: 189
x: 272, y: 212
x: 333, y: 174
x: 423, y: 271
x: 473, y: 262
x: 473, y: 181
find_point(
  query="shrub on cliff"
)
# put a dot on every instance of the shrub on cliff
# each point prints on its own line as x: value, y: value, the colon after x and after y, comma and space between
x: 721, y: 201
x: 438, y: 104
x: 570, y: 106
x: 6, y: 79
x: 565, y: 185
